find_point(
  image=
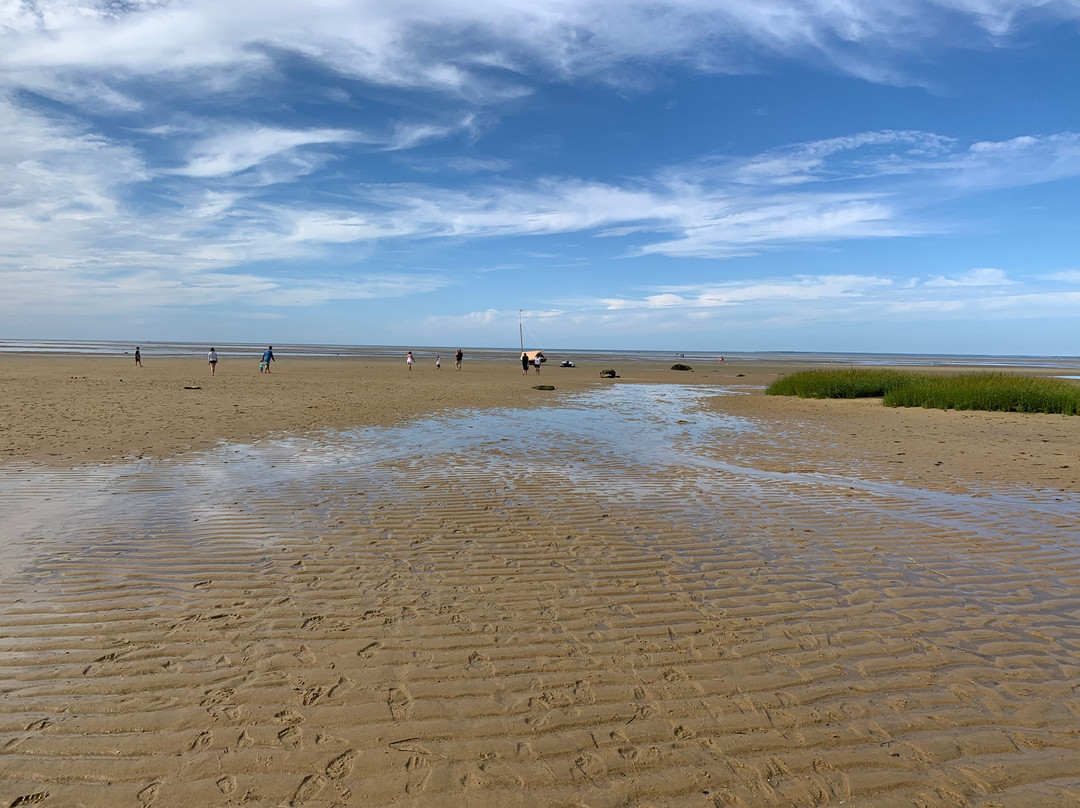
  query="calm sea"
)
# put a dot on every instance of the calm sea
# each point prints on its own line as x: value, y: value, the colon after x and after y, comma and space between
x: 115, y: 348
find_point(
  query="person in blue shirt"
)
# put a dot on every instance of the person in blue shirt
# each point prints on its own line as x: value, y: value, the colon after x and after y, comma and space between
x: 267, y: 358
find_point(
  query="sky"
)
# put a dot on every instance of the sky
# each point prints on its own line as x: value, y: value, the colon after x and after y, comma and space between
x: 748, y: 175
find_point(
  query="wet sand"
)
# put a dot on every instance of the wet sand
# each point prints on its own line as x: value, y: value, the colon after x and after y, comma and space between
x: 646, y: 597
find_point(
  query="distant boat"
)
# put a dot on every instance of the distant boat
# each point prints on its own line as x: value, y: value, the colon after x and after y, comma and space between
x: 521, y: 337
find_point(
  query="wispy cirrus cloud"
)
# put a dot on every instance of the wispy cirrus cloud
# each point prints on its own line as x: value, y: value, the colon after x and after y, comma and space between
x: 236, y: 149
x: 72, y: 202
x: 982, y: 276
x: 853, y: 298
x: 876, y: 185
x: 136, y: 289
x: 799, y: 289
x: 480, y: 51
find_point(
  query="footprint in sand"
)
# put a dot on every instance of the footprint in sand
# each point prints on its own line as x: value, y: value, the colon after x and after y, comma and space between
x: 227, y: 784
x: 312, y: 696
x: 201, y: 741
x: 245, y: 741
x: 584, y: 694
x: 310, y: 787
x: 29, y: 799
x: 146, y: 796
x: 590, y: 765
x: 626, y: 750
x: 418, y: 771
x: 400, y: 703
x: 481, y: 662
x: 368, y: 651
x: 725, y: 799
x: 342, y: 765
x: 776, y: 771
x: 343, y: 686
x: 831, y: 778
x: 290, y: 737
x: 94, y: 667
x: 288, y: 717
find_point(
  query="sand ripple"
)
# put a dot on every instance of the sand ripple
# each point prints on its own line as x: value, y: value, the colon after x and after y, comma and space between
x: 468, y: 614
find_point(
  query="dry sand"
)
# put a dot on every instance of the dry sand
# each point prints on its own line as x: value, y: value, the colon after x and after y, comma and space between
x: 835, y: 604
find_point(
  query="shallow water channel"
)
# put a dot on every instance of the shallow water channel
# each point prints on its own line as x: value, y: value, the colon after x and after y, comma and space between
x: 628, y: 444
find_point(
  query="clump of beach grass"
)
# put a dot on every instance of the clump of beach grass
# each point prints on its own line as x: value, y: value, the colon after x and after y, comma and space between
x: 841, y: 383
x: 998, y: 392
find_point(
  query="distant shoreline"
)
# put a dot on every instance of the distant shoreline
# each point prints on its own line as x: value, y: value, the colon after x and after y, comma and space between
x: 118, y: 348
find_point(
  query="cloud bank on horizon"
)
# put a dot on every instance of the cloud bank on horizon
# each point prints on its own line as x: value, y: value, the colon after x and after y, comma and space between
x: 685, y: 174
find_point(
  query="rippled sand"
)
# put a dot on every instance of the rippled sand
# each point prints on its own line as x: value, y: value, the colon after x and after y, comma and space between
x: 638, y: 597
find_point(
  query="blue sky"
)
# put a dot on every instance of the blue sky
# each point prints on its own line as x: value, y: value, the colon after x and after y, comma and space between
x: 811, y: 175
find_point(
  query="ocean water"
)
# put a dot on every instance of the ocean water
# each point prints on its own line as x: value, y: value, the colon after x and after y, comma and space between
x: 172, y: 349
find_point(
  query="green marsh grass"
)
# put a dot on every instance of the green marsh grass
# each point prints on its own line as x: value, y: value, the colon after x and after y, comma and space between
x: 1000, y: 392
x: 845, y: 383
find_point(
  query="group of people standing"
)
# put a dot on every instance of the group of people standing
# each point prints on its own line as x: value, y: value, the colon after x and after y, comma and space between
x: 268, y: 357
x: 212, y: 358
x: 536, y: 362
x: 410, y: 360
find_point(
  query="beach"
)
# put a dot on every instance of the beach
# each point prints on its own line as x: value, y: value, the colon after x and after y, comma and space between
x: 344, y: 583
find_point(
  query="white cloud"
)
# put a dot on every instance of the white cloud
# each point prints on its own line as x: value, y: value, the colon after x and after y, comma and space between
x: 63, y: 187
x: 974, y: 277
x: 1024, y: 160
x: 835, y: 299
x: 66, y: 49
x: 240, y: 148
x: 801, y: 288
x: 472, y: 318
x: 1067, y: 276
x: 120, y: 292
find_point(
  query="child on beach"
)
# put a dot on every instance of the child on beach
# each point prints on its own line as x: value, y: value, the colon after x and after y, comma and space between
x: 457, y: 358
x: 409, y: 360
x: 138, y: 357
x: 212, y: 359
x: 267, y: 358
x: 438, y: 363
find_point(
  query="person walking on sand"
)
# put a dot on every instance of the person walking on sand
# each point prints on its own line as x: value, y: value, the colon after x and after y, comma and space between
x: 536, y: 362
x: 267, y: 358
x: 438, y: 362
x: 409, y: 360
x: 457, y: 358
x: 138, y: 357
x: 524, y: 364
x: 212, y: 359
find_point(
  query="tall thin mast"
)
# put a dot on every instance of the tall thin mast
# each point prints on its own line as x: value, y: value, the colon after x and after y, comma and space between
x: 521, y: 335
